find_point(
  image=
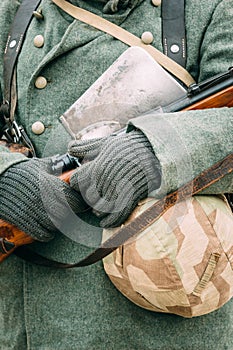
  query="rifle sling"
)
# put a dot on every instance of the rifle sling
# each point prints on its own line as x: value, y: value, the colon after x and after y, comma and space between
x: 140, y: 223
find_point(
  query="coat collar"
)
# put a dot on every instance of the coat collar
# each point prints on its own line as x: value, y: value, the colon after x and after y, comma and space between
x: 108, y: 6
x: 70, y: 40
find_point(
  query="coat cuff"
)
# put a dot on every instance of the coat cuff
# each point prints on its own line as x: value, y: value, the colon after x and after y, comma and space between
x: 186, y: 143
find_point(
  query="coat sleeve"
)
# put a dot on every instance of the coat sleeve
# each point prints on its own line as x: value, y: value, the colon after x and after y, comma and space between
x: 187, y: 143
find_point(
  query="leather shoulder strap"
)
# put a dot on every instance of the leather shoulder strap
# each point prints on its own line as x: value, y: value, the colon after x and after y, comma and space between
x: 173, y: 30
x: 12, y: 131
x: 14, y: 42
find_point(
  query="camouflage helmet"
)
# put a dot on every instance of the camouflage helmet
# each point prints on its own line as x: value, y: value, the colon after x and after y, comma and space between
x: 183, y: 263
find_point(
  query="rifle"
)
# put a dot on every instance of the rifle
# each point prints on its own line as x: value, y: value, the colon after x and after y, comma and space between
x: 215, y: 92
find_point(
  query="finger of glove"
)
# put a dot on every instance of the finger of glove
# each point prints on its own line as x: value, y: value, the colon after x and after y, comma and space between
x: 87, y: 149
x: 101, y: 189
x: 125, y: 202
x: 119, y: 217
x: 120, y: 181
x: 124, y: 171
x: 75, y: 200
x: 103, y: 197
x: 85, y: 181
x: 103, y: 179
x: 107, y: 165
x: 120, y: 208
x: 117, y: 158
x: 81, y: 178
x: 108, y: 177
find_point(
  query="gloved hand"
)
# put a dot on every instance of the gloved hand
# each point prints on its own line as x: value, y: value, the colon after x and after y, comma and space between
x: 124, y: 171
x: 36, y: 201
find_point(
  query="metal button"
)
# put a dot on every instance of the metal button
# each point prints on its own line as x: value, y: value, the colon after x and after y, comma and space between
x: 147, y: 37
x: 41, y: 83
x: 156, y: 2
x: 12, y: 44
x: 38, y: 40
x: 38, y: 14
x: 38, y: 128
x: 175, y: 48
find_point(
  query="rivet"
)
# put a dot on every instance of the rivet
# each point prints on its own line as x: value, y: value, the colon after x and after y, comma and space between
x: 12, y: 44
x: 38, y: 14
x: 175, y: 48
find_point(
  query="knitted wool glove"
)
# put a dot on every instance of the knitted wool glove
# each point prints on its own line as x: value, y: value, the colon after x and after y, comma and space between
x: 35, y: 201
x: 124, y: 171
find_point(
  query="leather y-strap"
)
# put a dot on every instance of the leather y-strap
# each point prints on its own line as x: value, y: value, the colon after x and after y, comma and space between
x: 15, y: 40
x: 14, y: 43
x: 126, y: 37
x: 173, y: 30
x: 144, y: 220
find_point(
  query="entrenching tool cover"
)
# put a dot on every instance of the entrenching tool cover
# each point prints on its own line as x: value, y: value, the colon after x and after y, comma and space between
x: 133, y: 84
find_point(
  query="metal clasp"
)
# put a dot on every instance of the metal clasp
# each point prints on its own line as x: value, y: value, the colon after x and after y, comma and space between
x: 13, y: 133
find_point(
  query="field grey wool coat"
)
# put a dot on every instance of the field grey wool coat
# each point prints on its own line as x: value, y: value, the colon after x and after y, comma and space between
x: 79, y: 309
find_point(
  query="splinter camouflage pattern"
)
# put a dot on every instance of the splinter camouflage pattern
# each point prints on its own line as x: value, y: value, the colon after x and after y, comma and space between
x: 183, y: 263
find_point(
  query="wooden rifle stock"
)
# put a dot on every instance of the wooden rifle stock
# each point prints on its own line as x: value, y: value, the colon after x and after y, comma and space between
x: 12, y: 237
x: 215, y: 93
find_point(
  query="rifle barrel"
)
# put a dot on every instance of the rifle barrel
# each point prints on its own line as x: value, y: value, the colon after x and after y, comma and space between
x: 214, y: 92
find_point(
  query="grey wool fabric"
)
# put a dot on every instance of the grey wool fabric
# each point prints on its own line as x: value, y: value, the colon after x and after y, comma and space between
x: 49, y: 309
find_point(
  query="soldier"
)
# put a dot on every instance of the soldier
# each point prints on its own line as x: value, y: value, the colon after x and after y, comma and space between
x: 44, y: 308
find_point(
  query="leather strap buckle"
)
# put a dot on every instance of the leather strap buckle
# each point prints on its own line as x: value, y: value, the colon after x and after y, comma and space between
x: 6, y: 246
x: 13, y: 133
